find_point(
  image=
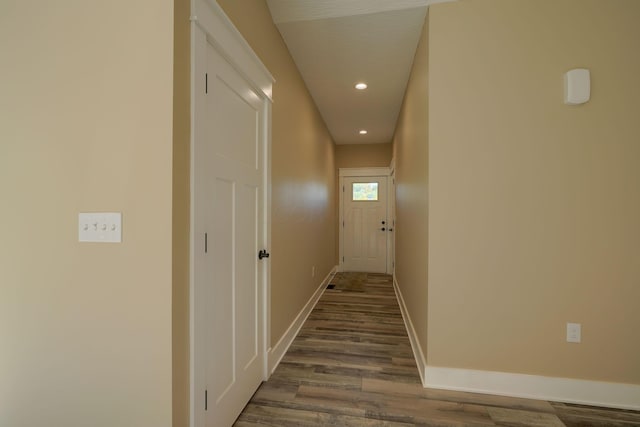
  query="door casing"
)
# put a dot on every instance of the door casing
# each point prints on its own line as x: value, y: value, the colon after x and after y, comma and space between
x: 364, y: 172
x: 392, y: 217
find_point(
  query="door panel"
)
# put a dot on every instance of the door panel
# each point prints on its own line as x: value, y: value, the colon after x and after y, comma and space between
x: 364, y: 241
x: 372, y: 227
x: 219, y: 268
x: 246, y: 250
x: 354, y: 219
x: 236, y: 112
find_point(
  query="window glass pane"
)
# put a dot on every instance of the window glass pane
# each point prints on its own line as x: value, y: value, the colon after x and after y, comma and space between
x: 365, y: 191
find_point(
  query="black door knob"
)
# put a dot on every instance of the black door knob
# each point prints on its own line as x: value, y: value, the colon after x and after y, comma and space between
x: 383, y: 222
x: 383, y: 229
x: 263, y: 254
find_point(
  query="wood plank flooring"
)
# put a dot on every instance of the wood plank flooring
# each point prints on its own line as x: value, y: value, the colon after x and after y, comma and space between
x: 352, y: 365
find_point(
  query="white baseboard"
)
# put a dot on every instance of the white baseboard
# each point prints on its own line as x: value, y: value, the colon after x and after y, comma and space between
x: 584, y: 392
x: 413, y: 338
x: 277, y: 352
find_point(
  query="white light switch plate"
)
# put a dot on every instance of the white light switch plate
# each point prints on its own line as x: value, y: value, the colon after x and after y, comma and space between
x: 100, y: 227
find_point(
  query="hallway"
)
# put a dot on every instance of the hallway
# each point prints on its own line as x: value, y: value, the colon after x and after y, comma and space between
x: 352, y: 365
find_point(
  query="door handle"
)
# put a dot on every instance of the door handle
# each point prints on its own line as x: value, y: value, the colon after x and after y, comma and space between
x: 383, y: 222
x: 383, y: 229
x: 263, y: 254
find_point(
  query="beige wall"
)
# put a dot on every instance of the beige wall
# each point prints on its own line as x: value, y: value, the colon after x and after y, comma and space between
x: 363, y: 155
x: 181, y: 212
x: 534, y: 205
x: 410, y: 147
x: 303, y: 173
x: 85, y: 125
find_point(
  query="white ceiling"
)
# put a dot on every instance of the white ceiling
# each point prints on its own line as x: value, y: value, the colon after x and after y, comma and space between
x: 337, y: 43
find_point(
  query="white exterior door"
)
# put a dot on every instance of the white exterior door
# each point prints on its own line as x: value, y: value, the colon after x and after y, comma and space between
x: 365, y: 224
x: 229, y: 219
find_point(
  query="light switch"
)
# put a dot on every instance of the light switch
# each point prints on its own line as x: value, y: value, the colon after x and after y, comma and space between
x: 100, y: 227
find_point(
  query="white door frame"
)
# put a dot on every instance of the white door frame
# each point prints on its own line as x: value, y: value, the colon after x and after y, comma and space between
x: 355, y: 172
x: 209, y: 24
x: 392, y: 218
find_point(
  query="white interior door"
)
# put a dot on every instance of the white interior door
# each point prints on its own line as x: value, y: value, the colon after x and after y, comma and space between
x: 229, y: 207
x: 365, y: 224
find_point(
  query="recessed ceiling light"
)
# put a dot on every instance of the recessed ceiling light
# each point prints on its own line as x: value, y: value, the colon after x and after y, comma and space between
x: 363, y: 132
x: 361, y: 86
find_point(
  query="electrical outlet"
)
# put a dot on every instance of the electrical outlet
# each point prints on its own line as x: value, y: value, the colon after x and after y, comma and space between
x: 574, y: 332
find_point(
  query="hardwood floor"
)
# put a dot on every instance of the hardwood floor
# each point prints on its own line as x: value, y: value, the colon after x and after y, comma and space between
x: 352, y: 365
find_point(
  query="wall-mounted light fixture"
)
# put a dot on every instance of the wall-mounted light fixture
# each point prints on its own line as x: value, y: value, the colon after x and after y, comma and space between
x: 577, y: 86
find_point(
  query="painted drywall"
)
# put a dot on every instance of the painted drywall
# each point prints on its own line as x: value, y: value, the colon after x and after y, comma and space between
x: 411, y: 153
x: 533, y: 204
x: 303, y: 214
x: 181, y: 210
x: 363, y: 155
x: 85, y: 125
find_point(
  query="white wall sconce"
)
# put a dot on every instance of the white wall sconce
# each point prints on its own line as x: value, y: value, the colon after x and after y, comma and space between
x: 577, y: 86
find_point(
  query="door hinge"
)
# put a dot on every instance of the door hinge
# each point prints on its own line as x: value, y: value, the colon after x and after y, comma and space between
x: 206, y: 83
x: 206, y: 243
x: 342, y: 259
x: 343, y: 188
x: 206, y: 398
x: 342, y: 224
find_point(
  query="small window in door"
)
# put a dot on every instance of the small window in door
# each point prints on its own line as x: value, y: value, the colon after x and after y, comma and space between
x: 364, y: 192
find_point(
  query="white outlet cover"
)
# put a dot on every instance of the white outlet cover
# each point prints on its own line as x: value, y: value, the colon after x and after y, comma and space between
x: 101, y: 227
x: 577, y: 86
x: 574, y: 332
